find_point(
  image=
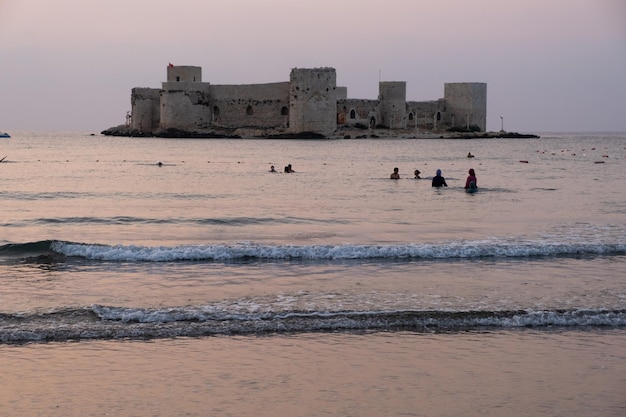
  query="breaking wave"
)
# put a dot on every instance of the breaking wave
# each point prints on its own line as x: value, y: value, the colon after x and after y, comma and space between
x: 488, y: 248
x: 103, y: 322
x: 230, y: 252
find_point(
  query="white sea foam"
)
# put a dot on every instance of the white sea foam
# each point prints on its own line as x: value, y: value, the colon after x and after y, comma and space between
x: 456, y: 249
x: 371, y: 319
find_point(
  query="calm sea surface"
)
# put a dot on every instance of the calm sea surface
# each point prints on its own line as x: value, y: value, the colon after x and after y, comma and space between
x: 206, y: 285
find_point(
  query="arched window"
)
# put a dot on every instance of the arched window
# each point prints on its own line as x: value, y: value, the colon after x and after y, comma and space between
x: 249, y: 110
x: 284, y: 111
x: 352, y: 114
x: 410, y: 116
x: 438, y: 116
x: 216, y: 111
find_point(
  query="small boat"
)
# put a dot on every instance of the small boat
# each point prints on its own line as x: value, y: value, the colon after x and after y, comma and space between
x: 4, y: 135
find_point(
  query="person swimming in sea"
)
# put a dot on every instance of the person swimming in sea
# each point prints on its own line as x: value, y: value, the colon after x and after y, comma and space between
x: 395, y: 175
x: 471, y: 182
x: 417, y: 174
x: 438, y: 180
x: 272, y: 169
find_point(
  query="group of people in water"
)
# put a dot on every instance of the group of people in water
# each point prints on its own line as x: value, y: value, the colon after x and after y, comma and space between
x: 439, y: 181
x: 288, y: 169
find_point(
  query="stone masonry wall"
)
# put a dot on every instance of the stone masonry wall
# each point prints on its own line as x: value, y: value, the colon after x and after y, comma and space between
x: 353, y: 112
x: 177, y: 73
x: 313, y: 100
x: 251, y: 105
x: 185, y: 106
x: 466, y: 104
x: 427, y: 114
x: 309, y: 102
x: 145, y: 109
x: 392, y: 97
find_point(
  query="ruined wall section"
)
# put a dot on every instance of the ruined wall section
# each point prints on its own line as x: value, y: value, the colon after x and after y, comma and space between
x: 426, y: 114
x: 145, y: 109
x: 392, y: 98
x: 313, y: 100
x: 466, y: 104
x: 250, y: 105
x: 357, y: 112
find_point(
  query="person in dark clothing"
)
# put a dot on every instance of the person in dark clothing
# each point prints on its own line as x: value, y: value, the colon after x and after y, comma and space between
x: 438, y: 180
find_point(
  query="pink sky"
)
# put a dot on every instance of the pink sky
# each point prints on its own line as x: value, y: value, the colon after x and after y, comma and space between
x: 556, y: 65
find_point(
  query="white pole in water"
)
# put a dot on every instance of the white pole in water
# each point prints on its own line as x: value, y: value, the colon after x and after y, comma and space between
x: 502, y: 127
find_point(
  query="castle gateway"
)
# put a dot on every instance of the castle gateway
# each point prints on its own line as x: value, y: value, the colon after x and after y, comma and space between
x: 310, y: 102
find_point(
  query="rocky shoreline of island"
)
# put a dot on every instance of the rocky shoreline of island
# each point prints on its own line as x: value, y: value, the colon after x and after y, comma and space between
x: 127, y: 131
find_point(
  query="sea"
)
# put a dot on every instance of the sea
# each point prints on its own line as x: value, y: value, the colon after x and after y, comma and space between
x: 180, y: 277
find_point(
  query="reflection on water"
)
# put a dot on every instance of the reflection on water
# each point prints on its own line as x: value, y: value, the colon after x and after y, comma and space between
x: 368, y: 375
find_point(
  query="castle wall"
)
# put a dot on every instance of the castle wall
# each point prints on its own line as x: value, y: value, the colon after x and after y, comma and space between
x: 426, y: 114
x: 313, y: 100
x: 251, y: 105
x: 341, y: 93
x: 392, y: 98
x: 357, y: 112
x: 145, y: 109
x: 185, y: 105
x: 466, y: 104
x: 309, y: 102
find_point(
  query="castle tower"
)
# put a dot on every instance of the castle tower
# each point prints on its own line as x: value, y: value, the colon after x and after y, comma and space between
x: 392, y: 108
x: 184, y: 73
x: 145, y: 109
x: 313, y: 100
x: 466, y: 105
x: 184, y: 99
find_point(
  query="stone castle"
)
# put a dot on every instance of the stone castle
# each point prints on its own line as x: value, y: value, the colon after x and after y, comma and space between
x: 310, y: 103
